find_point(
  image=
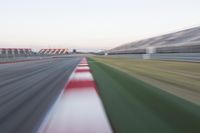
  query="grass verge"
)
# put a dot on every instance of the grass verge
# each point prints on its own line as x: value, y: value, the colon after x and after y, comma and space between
x: 135, y: 106
x: 179, y: 78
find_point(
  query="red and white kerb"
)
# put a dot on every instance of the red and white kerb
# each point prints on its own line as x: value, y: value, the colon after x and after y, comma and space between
x: 79, y: 108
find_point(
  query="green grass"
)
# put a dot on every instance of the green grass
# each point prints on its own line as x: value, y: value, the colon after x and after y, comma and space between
x: 179, y: 78
x: 134, y: 106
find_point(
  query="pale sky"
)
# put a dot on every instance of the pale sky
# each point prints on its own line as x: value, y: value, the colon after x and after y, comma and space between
x: 91, y: 24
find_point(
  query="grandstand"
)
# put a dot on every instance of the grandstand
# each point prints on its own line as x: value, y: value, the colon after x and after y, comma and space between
x: 186, y: 41
x: 63, y: 51
x: 15, y: 52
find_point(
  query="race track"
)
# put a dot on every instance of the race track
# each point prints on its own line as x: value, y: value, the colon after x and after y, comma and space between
x: 92, y: 95
x: 28, y: 90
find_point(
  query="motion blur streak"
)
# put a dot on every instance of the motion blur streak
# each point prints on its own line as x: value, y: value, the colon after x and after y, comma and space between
x: 79, y: 110
x: 28, y: 90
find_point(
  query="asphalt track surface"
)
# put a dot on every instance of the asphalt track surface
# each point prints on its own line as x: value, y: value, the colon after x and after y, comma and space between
x: 22, y: 59
x: 28, y: 90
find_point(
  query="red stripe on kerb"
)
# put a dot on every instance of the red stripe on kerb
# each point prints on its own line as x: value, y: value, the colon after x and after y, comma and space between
x: 75, y: 84
x: 82, y: 67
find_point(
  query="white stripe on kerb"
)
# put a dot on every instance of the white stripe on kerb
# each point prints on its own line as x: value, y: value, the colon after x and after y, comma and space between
x: 83, y: 68
x: 79, y: 112
x: 82, y: 76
